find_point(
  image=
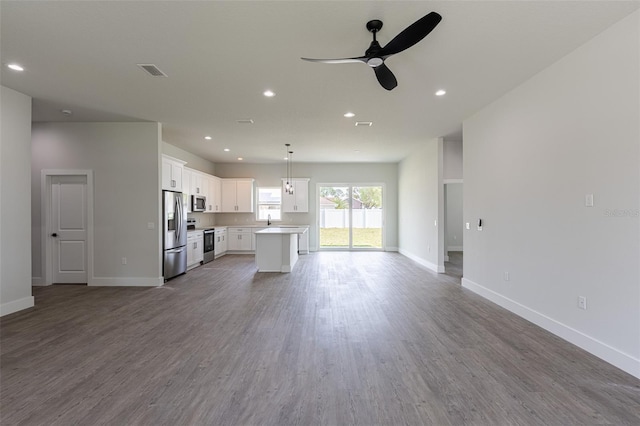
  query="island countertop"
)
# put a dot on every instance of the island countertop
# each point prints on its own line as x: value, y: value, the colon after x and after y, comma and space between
x: 282, y: 231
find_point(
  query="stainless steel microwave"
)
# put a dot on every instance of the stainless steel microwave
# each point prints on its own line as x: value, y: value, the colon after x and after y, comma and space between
x: 198, y: 203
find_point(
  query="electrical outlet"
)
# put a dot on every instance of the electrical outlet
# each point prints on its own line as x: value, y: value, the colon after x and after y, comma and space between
x: 468, y: 226
x: 582, y: 302
x: 506, y: 275
x: 151, y: 225
x: 124, y: 260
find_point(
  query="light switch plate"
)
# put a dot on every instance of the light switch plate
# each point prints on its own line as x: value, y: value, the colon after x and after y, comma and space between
x: 468, y: 226
x: 151, y: 225
x: 588, y: 200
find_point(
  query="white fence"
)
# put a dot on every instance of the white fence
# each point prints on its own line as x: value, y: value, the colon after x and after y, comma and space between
x: 362, y: 218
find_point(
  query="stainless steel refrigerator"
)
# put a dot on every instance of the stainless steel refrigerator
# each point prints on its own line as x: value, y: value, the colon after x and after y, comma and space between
x: 174, y: 215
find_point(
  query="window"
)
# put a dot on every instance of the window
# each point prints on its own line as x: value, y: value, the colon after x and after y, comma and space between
x: 269, y: 203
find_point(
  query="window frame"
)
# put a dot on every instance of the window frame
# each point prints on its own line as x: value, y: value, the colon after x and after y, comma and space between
x: 258, y: 203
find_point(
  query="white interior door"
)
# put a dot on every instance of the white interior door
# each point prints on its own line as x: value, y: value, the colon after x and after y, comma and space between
x: 68, y: 234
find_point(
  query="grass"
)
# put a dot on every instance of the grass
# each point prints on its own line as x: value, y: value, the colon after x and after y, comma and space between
x: 362, y: 237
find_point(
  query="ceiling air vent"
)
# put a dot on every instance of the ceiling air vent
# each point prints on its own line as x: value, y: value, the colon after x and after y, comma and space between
x: 245, y: 121
x: 364, y: 123
x: 152, y: 70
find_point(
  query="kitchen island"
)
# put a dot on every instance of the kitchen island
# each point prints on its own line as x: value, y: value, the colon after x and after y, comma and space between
x: 277, y: 249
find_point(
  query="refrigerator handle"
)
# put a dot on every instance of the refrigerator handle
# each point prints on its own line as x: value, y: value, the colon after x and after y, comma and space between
x: 178, y: 214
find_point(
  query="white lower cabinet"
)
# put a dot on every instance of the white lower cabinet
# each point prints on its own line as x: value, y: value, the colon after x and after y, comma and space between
x: 195, y: 245
x: 303, y: 242
x: 239, y: 239
x: 220, y: 245
x: 303, y: 239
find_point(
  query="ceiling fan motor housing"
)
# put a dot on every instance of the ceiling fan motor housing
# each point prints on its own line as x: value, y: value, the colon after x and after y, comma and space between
x: 374, y: 26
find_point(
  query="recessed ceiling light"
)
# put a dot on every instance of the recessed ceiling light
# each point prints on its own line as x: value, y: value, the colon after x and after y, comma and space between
x: 208, y: 138
x: 227, y: 150
x: 15, y: 67
x: 240, y: 158
x: 349, y: 114
x: 66, y: 112
x: 441, y: 92
x: 268, y: 93
x: 364, y: 123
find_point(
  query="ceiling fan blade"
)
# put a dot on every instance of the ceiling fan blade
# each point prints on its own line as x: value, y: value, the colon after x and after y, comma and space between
x: 385, y: 77
x: 337, y: 61
x: 411, y: 35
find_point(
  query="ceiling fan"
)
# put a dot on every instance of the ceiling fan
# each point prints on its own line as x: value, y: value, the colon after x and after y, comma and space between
x: 376, y: 55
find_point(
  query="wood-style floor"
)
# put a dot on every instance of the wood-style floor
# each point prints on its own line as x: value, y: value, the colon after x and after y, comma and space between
x: 347, y: 338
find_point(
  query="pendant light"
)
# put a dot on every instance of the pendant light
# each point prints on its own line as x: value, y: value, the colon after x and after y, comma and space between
x: 288, y: 187
x: 290, y: 160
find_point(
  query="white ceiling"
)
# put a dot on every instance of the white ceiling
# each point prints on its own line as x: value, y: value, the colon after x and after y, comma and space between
x: 220, y: 57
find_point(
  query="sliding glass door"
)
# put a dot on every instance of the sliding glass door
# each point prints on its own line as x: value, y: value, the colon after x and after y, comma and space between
x: 351, y: 217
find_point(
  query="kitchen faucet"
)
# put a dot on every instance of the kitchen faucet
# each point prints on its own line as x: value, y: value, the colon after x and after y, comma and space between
x: 268, y: 220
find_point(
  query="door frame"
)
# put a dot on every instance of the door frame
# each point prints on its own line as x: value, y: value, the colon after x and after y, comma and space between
x: 350, y: 186
x: 46, y: 176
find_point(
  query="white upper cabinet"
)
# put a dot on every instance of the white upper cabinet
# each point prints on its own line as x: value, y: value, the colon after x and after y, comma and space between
x: 214, y: 199
x: 298, y: 202
x: 204, y: 185
x: 172, y: 173
x: 237, y: 195
x: 199, y: 183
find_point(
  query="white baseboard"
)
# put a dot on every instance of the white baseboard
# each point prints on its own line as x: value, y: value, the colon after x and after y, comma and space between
x: 126, y: 281
x: 16, y: 305
x: 422, y: 262
x: 391, y: 249
x: 454, y: 248
x: 609, y: 354
x: 37, y: 281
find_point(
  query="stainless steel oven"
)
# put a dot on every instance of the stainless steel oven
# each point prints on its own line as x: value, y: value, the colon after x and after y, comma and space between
x: 209, y: 245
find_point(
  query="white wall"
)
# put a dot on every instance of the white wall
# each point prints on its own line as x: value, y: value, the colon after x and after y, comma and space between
x: 421, y: 204
x: 193, y: 161
x: 529, y: 160
x: 454, y: 227
x: 452, y: 167
x: 271, y: 175
x: 125, y: 159
x: 15, y: 201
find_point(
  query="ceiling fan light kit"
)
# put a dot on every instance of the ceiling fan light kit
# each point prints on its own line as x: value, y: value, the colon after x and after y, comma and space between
x: 376, y: 55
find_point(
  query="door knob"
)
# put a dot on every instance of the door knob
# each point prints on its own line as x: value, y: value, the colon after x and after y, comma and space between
x: 54, y: 235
